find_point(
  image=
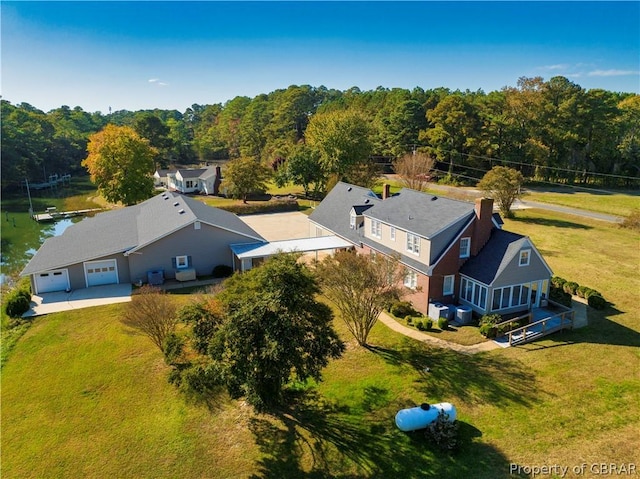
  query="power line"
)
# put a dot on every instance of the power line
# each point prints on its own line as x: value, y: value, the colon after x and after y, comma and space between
x: 556, y: 168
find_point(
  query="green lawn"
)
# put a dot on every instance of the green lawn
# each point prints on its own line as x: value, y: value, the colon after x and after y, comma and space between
x: 83, y: 396
x: 618, y: 204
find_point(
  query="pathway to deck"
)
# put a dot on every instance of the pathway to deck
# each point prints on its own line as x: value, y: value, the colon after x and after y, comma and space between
x: 441, y: 343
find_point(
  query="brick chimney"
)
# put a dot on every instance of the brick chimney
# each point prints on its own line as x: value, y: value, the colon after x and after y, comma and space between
x: 483, y: 225
x: 386, y: 191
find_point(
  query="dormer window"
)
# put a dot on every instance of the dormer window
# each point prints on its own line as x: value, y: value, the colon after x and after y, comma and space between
x: 525, y: 257
x: 392, y: 233
x: 413, y: 243
x: 465, y: 247
x: 376, y: 228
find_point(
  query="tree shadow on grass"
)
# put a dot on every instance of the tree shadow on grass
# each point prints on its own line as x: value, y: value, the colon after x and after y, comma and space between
x: 478, y: 378
x: 551, y: 222
x: 314, y: 439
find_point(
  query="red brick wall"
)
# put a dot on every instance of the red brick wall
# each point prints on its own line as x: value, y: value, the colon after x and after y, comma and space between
x: 483, y: 224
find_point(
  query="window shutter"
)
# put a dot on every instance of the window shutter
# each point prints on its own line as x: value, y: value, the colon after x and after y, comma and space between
x: 174, y: 262
x: 189, y: 262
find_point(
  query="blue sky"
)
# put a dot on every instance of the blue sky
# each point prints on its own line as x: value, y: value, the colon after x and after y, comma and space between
x: 139, y: 55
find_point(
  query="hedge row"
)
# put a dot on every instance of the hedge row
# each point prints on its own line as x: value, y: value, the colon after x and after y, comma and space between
x: 258, y: 207
x: 594, y: 298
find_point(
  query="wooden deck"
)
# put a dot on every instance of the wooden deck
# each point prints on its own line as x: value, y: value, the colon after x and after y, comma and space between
x: 58, y: 215
x: 542, y: 323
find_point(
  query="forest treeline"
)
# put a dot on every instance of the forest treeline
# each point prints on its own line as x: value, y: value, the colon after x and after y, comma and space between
x: 551, y: 130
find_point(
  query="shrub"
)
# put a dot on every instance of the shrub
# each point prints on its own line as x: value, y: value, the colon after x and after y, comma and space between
x: 443, y: 323
x: 18, y: 300
x: 596, y: 301
x: 222, y: 271
x: 488, y: 325
x: 428, y: 324
x: 559, y: 296
x: 570, y: 287
x: 632, y: 221
x: 420, y: 325
x: 17, y: 304
x: 581, y: 291
x: 402, y: 309
x: 442, y: 432
x: 408, y: 319
x: 558, y: 282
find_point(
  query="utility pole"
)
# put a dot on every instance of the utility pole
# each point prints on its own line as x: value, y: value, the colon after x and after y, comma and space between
x: 29, y: 194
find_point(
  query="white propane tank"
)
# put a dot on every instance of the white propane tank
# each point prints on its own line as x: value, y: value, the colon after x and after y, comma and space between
x: 420, y: 417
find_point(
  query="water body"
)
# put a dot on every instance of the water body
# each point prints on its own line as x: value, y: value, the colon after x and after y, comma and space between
x: 22, y: 240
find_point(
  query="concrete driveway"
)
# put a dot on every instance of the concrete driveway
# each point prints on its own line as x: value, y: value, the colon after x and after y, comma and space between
x: 81, y: 298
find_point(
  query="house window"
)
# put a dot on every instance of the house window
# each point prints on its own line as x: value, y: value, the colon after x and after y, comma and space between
x: 182, y: 262
x: 447, y: 285
x: 376, y: 228
x: 525, y: 256
x: 510, y: 296
x: 413, y: 243
x: 196, y: 225
x: 352, y: 221
x: 465, y: 247
x: 189, y: 183
x: 392, y: 233
x: 411, y: 279
x: 473, y: 292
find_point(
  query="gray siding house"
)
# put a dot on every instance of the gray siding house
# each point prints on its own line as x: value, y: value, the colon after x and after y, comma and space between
x: 169, y: 234
x: 454, y: 252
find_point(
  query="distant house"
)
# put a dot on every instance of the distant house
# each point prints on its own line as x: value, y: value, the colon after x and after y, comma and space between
x: 454, y: 252
x: 170, y: 235
x: 191, y: 180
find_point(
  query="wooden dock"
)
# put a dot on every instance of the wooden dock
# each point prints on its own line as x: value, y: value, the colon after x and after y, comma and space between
x: 59, y: 215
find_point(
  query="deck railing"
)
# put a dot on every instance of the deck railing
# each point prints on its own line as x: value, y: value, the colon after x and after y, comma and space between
x: 542, y: 327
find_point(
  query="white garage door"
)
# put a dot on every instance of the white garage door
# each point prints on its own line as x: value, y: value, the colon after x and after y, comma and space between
x: 57, y: 280
x: 101, y: 272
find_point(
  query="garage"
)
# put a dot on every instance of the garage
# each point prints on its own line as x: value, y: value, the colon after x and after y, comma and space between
x: 101, y: 272
x: 56, y: 280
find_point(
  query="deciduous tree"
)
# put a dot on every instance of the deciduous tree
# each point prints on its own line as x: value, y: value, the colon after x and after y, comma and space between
x: 245, y: 176
x: 414, y: 169
x: 360, y: 286
x: 274, y: 330
x: 503, y: 185
x: 121, y: 164
x: 152, y: 312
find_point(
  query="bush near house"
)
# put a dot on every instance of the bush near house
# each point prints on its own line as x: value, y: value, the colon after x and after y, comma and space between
x: 402, y: 309
x: 561, y: 291
x: 443, y: 323
x: 488, y: 324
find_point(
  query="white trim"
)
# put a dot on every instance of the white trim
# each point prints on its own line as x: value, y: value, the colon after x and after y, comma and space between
x: 451, y: 289
x: 86, y: 274
x: 65, y: 271
x: 467, y: 251
x: 392, y: 233
x: 185, y: 260
x: 411, y: 279
x: 524, y: 254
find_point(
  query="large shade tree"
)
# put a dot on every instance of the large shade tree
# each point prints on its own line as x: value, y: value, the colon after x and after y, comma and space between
x: 121, y: 164
x: 274, y: 331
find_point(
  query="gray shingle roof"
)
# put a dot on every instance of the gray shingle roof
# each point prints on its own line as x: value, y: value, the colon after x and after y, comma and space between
x: 334, y: 211
x: 494, y: 257
x: 126, y: 229
x: 420, y: 213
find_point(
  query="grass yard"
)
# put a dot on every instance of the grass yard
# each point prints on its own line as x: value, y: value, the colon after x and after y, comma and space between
x: 618, y: 204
